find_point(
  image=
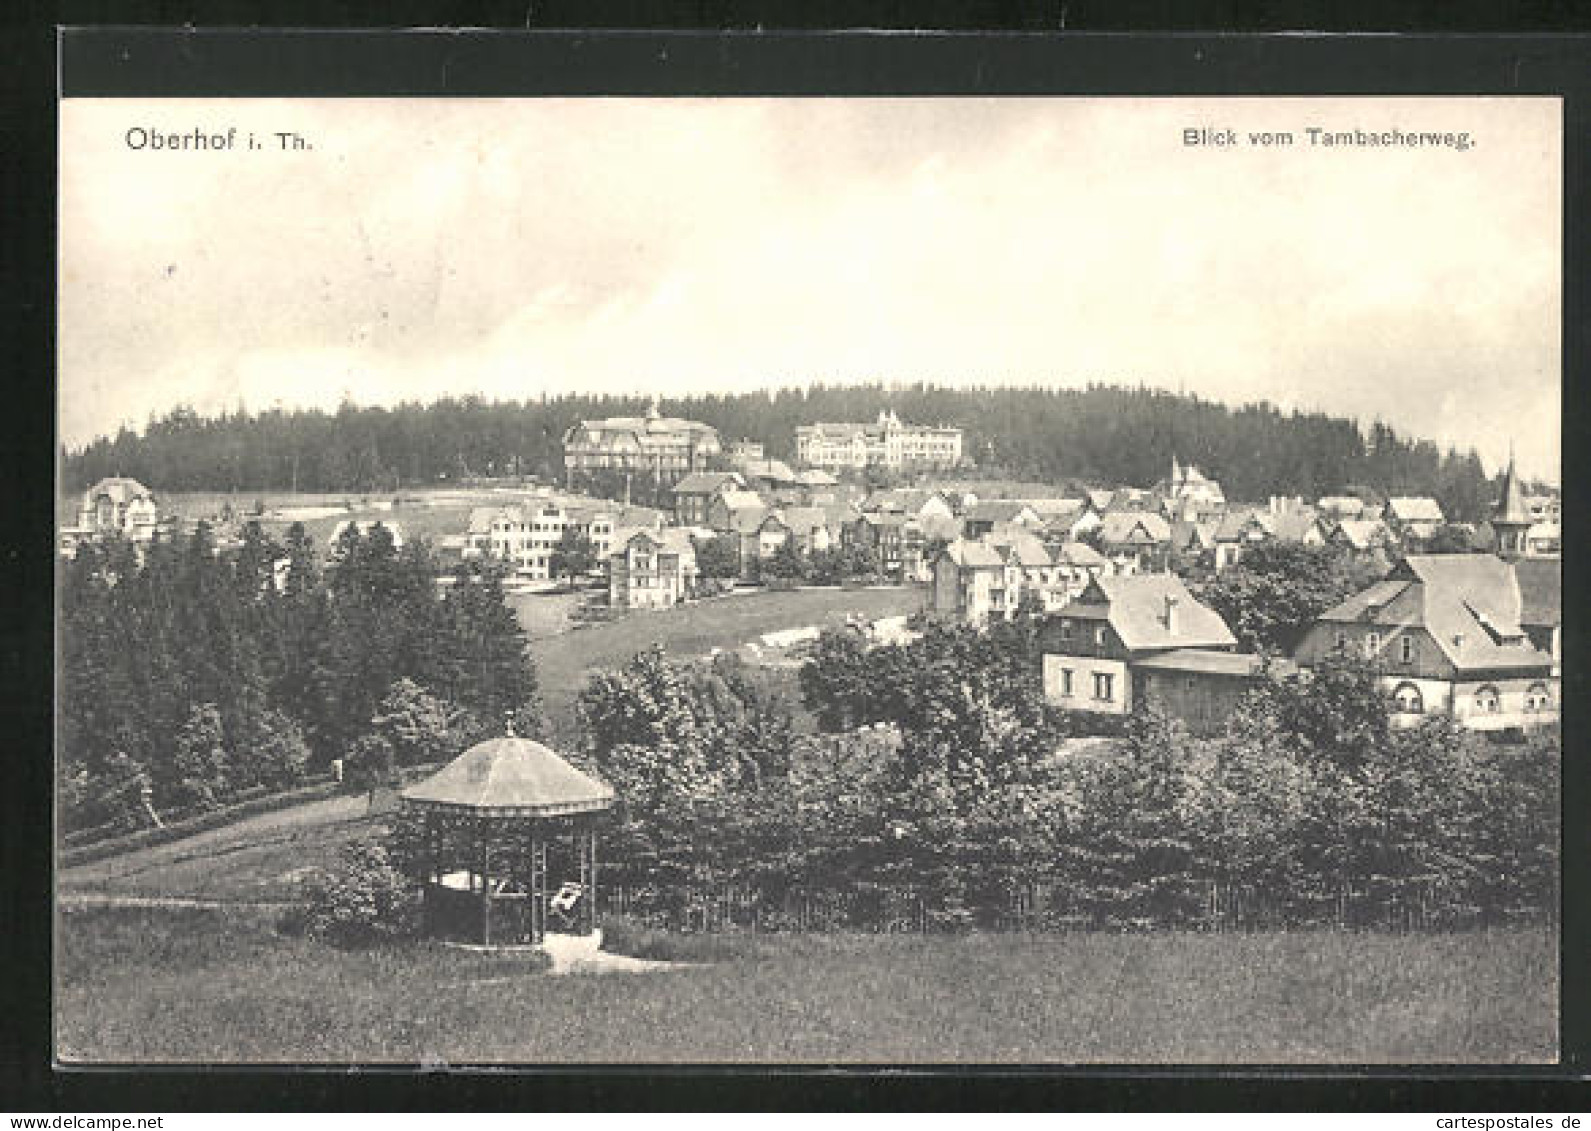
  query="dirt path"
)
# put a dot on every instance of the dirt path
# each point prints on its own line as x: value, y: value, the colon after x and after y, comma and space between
x: 165, y: 870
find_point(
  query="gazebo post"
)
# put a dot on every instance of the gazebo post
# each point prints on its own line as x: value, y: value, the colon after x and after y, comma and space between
x: 538, y: 884
x: 588, y: 876
x: 483, y: 841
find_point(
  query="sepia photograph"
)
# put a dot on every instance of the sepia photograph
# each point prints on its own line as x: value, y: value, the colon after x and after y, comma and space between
x: 809, y: 580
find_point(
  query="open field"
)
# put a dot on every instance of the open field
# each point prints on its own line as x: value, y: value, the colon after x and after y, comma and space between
x: 163, y: 985
x: 563, y: 663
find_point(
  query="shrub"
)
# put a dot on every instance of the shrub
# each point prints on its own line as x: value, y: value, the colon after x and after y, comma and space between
x: 365, y: 900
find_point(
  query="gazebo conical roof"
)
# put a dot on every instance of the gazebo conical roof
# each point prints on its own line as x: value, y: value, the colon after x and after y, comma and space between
x: 508, y: 777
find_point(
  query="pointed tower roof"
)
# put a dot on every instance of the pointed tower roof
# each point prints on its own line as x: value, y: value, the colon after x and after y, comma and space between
x: 1512, y: 509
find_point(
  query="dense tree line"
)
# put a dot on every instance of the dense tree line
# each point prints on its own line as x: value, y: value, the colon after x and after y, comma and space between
x: 200, y: 675
x: 944, y: 775
x: 1104, y: 433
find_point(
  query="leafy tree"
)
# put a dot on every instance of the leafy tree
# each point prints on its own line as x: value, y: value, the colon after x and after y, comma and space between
x: 1278, y: 589
x: 787, y: 563
x: 718, y: 557
x: 574, y: 556
x: 415, y: 724
x: 198, y: 771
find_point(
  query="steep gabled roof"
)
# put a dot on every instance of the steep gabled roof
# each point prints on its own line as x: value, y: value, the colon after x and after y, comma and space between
x: 1415, y: 508
x: 1540, y: 583
x: 1123, y: 527
x: 1079, y: 554
x: 706, y: 482
x: 1023, y: 549
x: 969, y: 553
x: 998, y: 510
x: 1361, y: 533
x: 1468, y: 603
x: 1234, y: 525
x: 1136, y: 607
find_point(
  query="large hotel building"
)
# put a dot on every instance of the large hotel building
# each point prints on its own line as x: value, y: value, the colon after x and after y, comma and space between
x: 662, y: 446
x: 886, y: 443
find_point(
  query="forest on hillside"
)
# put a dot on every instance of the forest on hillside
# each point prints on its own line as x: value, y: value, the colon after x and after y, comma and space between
x: 1106, y: 434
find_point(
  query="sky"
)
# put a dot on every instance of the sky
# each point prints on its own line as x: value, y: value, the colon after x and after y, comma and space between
x: 509, y: 247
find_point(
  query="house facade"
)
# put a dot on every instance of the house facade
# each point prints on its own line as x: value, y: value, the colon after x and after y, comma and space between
x: 1445, y: 633
x: 694, y: 493
x: 652, y: 570
x: 1090, y: 648
x: 117, y: 506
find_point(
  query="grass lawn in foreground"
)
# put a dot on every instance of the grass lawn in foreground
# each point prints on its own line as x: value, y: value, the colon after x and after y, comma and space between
x: 156, y: 985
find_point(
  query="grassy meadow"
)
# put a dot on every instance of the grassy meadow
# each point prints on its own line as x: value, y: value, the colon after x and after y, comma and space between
x: 565, y: 662
x: 151, y: 985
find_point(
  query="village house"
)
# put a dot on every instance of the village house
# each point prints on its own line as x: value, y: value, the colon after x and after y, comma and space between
x: 694, y: 492
x: 1445, y: 633
x: 896, y: 539
x: 810, y: 528
x: 768, y: 475
x: 976, y: 580
x: 664, y: 447
x: 117, y: 506
x: 931, y: 510
x: 1239, y: 531
x: 1135, y: 541
x: 1336, y: 508
x: 1076, y: 564
x: 1195, y: 540
x: 1361, y: 535
x: 969, y: 583
x: 986, y: 514
x: 1413, y: 518
x: 732, y: 511
x: 1092, y: 647
x: 652, y: 570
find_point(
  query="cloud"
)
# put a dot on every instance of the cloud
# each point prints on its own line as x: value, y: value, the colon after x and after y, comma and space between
x: 515, y: 247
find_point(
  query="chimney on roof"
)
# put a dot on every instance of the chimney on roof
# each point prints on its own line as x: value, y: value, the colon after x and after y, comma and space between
x: 1171, y: 613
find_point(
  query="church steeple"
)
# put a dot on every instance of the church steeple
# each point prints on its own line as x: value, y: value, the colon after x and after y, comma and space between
x: 1512, y: 517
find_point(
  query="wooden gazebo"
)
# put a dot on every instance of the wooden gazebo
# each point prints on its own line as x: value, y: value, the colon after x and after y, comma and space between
x: 503, y: 824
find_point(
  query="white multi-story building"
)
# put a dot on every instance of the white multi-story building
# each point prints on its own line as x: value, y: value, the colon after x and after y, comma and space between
x: 526, y: 536
x: 885, y: 443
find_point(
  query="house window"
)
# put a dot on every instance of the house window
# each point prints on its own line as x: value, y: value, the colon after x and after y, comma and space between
x: 1342, y: 641
x: 1373, y: 644
x: 1066, y: 630
x: 1408, y: 700
x: 1099, y: 637
x: 1538, y: 698
x: 1406, y: 649
x: 1066, y: 682
x: 1103, y: 686
x: 1486, y: 700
